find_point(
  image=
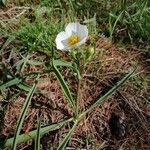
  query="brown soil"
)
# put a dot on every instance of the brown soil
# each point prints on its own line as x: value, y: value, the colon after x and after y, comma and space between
x: 122, y: 121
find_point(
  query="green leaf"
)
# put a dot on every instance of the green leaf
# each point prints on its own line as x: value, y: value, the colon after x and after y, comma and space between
x: 67, y: 64
x: 37, y: 138
x: 67, y: 137
x: 25, y: 60
x: 62, y: 63
x: 109, y: 93
x: 22, y: 115
x: 36, y: 63
x: 31, y: 62
x: 64, y: 87
x: 11, y: 38
x: 10, y: 83
x: 112, y: 28
x: 32, y: 134
x: 24, y: 86
x: 3, y: 2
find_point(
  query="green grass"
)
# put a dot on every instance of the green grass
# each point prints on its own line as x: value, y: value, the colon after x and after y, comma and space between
x: 46, y: 19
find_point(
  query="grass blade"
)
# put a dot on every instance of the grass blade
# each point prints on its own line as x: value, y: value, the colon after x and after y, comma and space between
x: 64, y: 87
x: 24, y: 86
x: 9, y: 40
x: 67, y: 138
x: 109, y: 93
x: 37, y: 139
x: 112, y: 28
x: 30, y: 62
x: 62, y: 63
x: 10, y: 83
x: 22, y: 115
x: 32, y: 134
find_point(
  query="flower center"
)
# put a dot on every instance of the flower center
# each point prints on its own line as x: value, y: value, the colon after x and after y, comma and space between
x: 73, y: 39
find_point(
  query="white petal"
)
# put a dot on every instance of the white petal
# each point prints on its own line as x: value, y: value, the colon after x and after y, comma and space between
x: 72, y: 28
x: 61, y: 37
x: 83, y: 32
x: 82, y: 41
x: 79, y: 43
x: 67, y: 47
x: 78, y: 29
x: 65, y: 44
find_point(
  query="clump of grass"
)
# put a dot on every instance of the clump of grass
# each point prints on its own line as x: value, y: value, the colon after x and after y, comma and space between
x: 130, y: 17
x: 38, y: 36
x: 136, y: 19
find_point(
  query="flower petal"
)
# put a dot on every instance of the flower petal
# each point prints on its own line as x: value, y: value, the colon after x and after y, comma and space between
x: 68, y: 47
x: 61, y: 37
x: 78, y: 29
x: 83, y: 32
x: 72, y: 28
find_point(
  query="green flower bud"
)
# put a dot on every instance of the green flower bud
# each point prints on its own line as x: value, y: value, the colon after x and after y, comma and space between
x: 91, y: 51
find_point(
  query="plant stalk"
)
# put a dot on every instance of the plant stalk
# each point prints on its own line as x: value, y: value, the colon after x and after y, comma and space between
x: 78, y: 97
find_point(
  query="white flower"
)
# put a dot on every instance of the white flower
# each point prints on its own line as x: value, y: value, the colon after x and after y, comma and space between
x: 75, y: 35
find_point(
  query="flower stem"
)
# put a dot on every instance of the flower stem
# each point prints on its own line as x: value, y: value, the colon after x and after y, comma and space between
x: 80, y: 69
x: 78, y: 97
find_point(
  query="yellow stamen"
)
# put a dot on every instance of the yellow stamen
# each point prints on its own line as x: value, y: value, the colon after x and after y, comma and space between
x: 73, y: 39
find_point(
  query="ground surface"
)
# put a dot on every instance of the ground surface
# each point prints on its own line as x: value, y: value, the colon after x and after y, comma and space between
x: 122, y: 122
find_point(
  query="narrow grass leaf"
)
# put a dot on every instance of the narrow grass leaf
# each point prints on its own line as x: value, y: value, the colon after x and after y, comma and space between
x: 62, y: 63
x: 24, y: 86
x: 22, y: 115
x: 67, y: 138
x: 64, y: 87
x: 37, y: 138
x: 112, y: 28
x: 24, y: 63
x: 36, y: 63
x: 9, y: 40
x: 109, y: 93
x: 32, y: 134
x: 31, y: 62
x: 67, y: 64
x: 10, y: 83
